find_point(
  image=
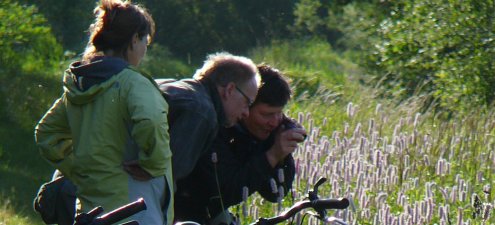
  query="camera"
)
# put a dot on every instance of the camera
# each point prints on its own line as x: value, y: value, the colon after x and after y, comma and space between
x: 290, y: 124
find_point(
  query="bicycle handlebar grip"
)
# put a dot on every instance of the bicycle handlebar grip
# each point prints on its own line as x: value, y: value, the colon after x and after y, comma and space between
x: 341, y: 203
x: 122, y: 212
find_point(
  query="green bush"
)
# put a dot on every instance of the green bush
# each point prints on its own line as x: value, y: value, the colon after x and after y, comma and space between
x: 347, y: 25
x: 30, y: 56
x: 312, y: 64
x: 160, y: 63
x: 27, y: 42
x: 323, y: 82
x: 443, y: 49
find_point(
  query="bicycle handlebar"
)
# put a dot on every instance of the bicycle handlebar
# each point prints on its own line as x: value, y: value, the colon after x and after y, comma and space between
x: 318, y: 204
x: 113, y: 216
x: 341, y: 203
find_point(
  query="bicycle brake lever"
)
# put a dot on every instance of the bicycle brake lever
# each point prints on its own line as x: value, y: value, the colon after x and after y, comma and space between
x: 313, y: 195
x: 318, y: 183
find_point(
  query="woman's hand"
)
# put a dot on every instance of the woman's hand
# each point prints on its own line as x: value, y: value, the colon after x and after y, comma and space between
x: 135, y: 171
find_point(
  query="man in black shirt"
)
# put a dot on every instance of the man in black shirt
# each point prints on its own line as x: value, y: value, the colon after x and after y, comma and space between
x: 252, y: 155
x: 219, y: 95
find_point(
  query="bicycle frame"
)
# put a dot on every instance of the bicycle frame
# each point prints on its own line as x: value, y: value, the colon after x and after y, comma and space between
x: 318, y: 205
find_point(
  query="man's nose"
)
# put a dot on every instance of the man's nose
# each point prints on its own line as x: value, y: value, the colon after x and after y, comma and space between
x: 245, y: 113
x: 275, y: 121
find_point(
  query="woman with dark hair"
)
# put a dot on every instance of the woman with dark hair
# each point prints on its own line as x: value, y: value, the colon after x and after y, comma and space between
x: 108, y: 132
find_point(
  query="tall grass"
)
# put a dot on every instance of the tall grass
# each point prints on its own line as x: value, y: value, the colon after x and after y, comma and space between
x: 22, y: 171
x: 398, y: 166
x: 322, y: 80
x: 8, y: 215
x: 408, y: 169
x: 25, y: 96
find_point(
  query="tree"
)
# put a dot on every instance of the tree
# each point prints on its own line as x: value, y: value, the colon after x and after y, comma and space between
x: 345, y: 24
x: 69, y: 20
x: 441, y: 49
x: 27, y: 42
x: 193, y: 28
x: 29, y: 54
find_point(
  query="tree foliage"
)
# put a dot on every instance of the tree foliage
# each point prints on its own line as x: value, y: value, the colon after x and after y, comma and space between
x: 160, y: 63
x: 193, y: 28
x: 444, y: 49
x: 29, y: 54
x: 441, y: 49
x: 69, y: 20
x: 189, y: 29
x: 27, y: 43
x: 343, y: 23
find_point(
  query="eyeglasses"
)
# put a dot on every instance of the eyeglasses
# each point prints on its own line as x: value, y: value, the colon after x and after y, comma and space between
x: 249, y: 101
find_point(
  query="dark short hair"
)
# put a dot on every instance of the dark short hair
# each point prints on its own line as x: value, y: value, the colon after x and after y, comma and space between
x: 275, y: 89
x: 115, y: 24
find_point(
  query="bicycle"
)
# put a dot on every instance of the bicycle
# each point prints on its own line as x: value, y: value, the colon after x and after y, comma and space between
x: 314, y: 202
x: 92, y: 218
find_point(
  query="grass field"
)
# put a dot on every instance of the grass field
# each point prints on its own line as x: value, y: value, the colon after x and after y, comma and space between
x: 22, y: 170
x: 397, y: 165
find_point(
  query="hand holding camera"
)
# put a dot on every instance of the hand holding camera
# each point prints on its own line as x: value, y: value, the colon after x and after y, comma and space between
x: 298, y: 129
x: 287, y: 137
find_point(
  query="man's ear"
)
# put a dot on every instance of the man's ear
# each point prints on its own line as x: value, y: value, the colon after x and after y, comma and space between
x: 227, y: 90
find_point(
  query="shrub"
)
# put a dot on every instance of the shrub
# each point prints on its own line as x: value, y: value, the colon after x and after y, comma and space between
x: 443, y: 49
x: 160, y: 63
x: 29, y: 56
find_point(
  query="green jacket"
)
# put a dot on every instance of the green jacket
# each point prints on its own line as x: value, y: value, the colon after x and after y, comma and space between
x: 111, y: 116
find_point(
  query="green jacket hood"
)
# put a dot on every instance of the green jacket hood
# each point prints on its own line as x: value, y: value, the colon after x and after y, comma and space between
x: 83, y: 82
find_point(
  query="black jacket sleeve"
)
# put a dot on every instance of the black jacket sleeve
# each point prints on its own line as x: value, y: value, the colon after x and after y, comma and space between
x: 190, y: 136
x: 242, y: 163
x: 288, y: 170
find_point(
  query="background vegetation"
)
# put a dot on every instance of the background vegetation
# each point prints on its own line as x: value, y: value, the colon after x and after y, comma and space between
x: 361, y: 71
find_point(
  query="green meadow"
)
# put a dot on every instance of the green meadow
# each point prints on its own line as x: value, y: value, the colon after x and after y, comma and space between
x: 396, y: 96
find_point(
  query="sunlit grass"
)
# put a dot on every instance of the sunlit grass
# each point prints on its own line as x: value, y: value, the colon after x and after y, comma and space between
x: 395, y: 161
x: 398, y: 163
x: 399, y: 166
x: 9, y: 216
x: 22, y: 170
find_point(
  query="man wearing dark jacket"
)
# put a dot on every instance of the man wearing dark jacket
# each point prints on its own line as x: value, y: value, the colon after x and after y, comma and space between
x: 219, y: 96
x: 254, y: 155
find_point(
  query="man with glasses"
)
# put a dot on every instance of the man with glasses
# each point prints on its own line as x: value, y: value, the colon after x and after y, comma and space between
x: 252, y: 156
x: 248, y: 100
x: 219, y: 95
